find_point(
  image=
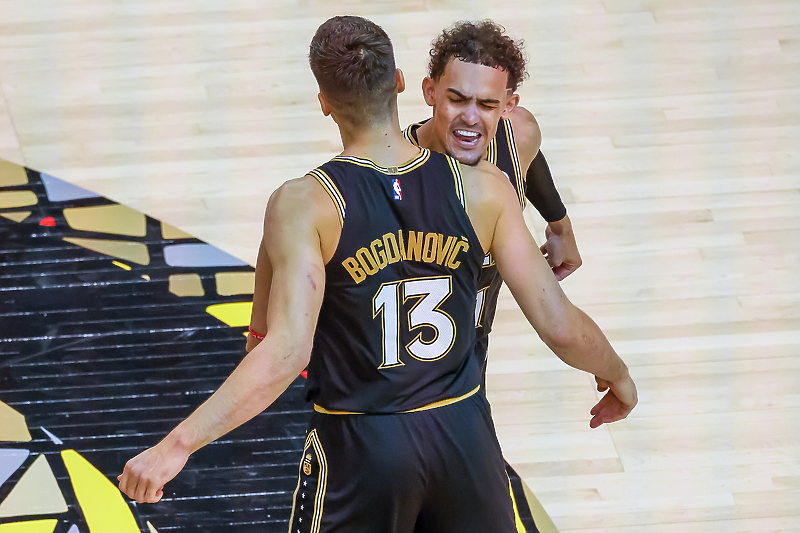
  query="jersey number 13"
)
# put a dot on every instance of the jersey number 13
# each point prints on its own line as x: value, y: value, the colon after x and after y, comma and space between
x: 429, y: 294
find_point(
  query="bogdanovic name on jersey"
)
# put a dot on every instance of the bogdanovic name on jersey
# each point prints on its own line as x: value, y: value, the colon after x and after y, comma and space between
x: 391, y: 248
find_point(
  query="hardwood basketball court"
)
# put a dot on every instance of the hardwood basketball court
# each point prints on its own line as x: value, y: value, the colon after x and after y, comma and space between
x: 673, y: 133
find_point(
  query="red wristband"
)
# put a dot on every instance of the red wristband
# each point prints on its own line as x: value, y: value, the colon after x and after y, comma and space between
x: 255, y: 335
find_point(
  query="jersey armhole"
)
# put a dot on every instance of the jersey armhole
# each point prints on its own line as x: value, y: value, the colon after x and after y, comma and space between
x: 455, y: 166
x: 512, y: 150
x: 333, y: 191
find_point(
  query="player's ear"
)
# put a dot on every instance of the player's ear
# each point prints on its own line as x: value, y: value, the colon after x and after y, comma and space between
x: 323, y: 104
x: 429, y: 91
x: 511, y: 104
x: 401, y: 81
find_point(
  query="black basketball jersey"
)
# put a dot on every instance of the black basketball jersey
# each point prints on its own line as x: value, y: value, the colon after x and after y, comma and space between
x: 396, y: 327
x: 502, y: 152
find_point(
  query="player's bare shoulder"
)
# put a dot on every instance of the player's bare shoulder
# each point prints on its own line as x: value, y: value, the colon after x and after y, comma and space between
x: 527, y: 133
x: 303, y: 202
x: 304, y: 195
x: 489, y: 175
x: 489, y: 192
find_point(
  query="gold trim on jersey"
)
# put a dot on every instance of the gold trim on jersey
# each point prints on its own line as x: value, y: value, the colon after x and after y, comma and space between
x: 512, y: 147
x: 455, y: 166
x: 415, y: 163
x: 491, y: 154
x: 409, y: 136
x: 442, y: 403
x: 491, y: 151
x: 434, y: 405
x: 324, y: 411
x: 333, y: 191
x: 322, y: 480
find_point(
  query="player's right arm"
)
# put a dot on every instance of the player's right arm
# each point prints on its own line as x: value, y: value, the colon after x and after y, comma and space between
x: 568, y: 331
x: 263, y: 282
x: 296, y: 238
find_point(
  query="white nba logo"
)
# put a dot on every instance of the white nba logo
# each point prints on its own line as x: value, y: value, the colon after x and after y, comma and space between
x: 398, y: 192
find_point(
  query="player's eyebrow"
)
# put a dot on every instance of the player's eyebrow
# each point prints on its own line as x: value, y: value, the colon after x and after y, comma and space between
x: 480, y: 100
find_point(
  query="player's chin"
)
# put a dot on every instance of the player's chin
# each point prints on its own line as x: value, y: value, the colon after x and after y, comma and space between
x: 467, y: 157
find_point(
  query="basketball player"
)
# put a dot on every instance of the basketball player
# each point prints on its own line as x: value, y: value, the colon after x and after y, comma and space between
x: 473, y: 75
x: 476, y: 116
x: 373, y: 265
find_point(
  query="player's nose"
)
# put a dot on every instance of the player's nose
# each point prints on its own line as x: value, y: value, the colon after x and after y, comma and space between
x: 470, y: 114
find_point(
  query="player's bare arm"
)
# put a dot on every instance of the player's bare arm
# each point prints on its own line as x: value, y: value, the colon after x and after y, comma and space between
x: 296, y: 252
x: 570, y: 333
x: 263, y: 282
x: 560, y: 247
x: 527, y: 134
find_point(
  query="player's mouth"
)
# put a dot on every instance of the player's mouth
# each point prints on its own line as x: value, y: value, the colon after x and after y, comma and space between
x: 467, y: 138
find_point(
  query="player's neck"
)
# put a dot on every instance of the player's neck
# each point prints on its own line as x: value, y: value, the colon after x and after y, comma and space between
x: 381, y: 142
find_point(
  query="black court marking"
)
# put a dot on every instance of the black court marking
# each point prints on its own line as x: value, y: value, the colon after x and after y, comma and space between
x: 109, y: 362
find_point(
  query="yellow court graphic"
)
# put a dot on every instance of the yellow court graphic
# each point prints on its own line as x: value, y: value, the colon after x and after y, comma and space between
x: 11, y: 174
x: 234, y: 314
x: 171, y: 232
x: 13, y: 199
x: 103, y: 506
x: 35, y: 493
x: 12, y: 425
x: 134, y: 252
x: 35, y: 526
x: 16, y: 216
x: 231, y: 283
x: 186, y: 285
x: 114, y: 218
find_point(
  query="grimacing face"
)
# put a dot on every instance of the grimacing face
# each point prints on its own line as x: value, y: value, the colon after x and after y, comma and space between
x: 468, y: 101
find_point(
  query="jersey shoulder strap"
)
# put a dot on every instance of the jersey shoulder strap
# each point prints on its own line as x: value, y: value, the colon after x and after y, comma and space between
x: 333, y: 191
x: 507, y: 158
x: 410, y: 133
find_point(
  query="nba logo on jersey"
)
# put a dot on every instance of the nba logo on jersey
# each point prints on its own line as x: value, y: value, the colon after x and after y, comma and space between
x: 398, y: 192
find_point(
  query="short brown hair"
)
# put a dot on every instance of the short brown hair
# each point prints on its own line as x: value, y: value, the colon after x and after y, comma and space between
x: 484, y: 43
x: 353, y: 61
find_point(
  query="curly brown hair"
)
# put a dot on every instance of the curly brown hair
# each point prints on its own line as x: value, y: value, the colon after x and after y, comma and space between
x: 484, y: 43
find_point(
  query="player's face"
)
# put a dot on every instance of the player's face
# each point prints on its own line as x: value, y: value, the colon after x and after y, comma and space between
x: 468, y: 101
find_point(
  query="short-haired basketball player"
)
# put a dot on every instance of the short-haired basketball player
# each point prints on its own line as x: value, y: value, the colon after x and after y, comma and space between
x: 373, y: 266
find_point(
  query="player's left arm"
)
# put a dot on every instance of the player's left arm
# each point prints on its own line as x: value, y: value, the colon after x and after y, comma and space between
x: 293, y: 245
x: 567, y: 330
x: 263, y: 282
x: 560, y: 247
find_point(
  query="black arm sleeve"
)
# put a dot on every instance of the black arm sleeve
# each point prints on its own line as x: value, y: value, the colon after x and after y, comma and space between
x: 541, y: 191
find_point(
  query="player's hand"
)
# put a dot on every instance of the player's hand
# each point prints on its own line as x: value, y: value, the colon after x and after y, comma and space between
x: 146, y: 474
x: 561, y: 251
x: 616, y: 404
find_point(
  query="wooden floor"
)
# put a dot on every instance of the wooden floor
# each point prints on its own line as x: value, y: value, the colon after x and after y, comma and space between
x: 673, y: 132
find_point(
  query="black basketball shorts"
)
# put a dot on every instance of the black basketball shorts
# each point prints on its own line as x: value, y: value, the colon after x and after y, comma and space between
x: 433, y: 471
